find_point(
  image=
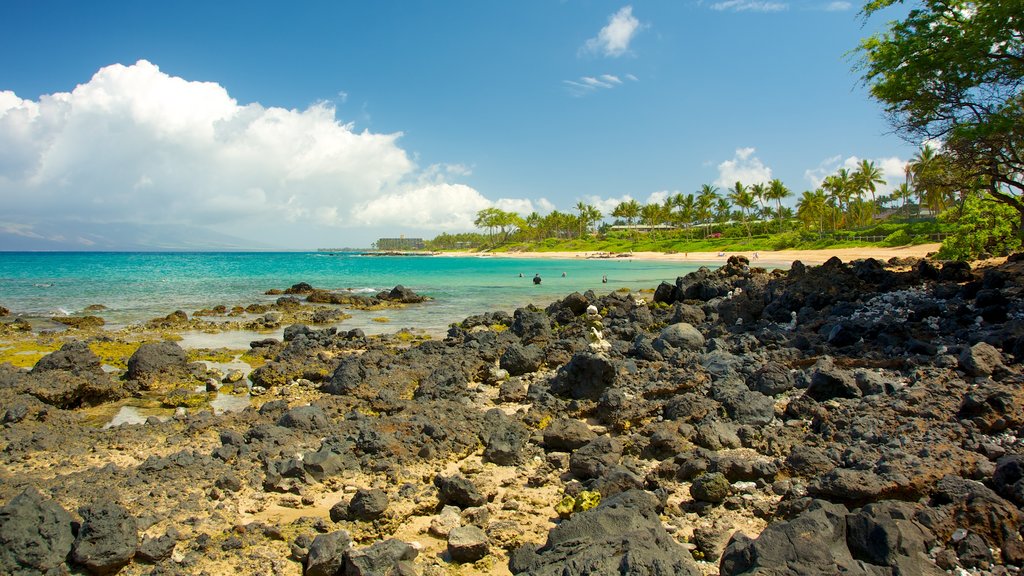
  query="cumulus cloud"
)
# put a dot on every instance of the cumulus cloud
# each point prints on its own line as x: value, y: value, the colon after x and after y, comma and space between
x: 893, y: 170
x: 613, y: 40
x: 606, y: 205
x: 136, y: 145
x: 749, y: 6
x: 743, y: 167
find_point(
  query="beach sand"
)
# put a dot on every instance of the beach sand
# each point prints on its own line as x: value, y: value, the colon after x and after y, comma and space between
x: 764, y: 257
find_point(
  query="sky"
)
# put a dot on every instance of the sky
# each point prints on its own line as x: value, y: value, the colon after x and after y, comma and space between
x: 259, y: 124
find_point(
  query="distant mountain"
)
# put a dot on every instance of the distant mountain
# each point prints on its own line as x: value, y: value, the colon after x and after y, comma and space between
x: 85, y: 236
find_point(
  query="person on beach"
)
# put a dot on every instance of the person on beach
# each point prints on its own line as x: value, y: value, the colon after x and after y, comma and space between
x: 756, y: 256
x: 536, y: 278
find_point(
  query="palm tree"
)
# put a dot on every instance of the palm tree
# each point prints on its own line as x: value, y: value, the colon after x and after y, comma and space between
x: 758, y: 190
x: 686, y: 209
x: 705, y: 200
x: 777, y: 191
x: 867, y: 176
x: 744, y: 200
x: 630, y: 211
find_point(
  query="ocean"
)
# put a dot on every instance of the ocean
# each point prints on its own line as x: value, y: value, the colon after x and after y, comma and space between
x: 135, y: 287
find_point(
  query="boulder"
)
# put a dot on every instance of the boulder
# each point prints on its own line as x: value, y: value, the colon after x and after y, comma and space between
x: 567, y: 434
x: 327, y: 554
x: 829, y: 382
x: 518, y: 359
x: 35, y: 534
x: 391, y: 556
x: 982, y: 359
x: 623, y: 535
x: 1008, y: 479
x: 680, y: 336
x: 586, y: 375
x: 711, y: 487
x: 459, y: 491
x: 368, y: 504
x: 531, y: 325
x: 311, y: 419
x: 593, y: 459
x: 504, y: 438
x: 107, y: 539
x: 152, y: 358
x: 75, y: 357
x: 467, y: 544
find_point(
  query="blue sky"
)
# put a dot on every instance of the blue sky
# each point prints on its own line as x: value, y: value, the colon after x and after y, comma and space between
x: 309, y: 124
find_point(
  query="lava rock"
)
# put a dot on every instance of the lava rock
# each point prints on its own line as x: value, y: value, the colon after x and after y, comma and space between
x: 107, y: 539
x: 327, y: 553
x: 982, y: 359
x: 711, y: 487
x: 467, y: 544
x: 152, y: 358
x: 459, y: 491
x: 593, y: 459
x: 567, y: 434
x: 35, y: 534
x: 368, y: 504
x: 391, y: 556
x: 623, y: 535
x: 518, y: 359
x: 681, y: 336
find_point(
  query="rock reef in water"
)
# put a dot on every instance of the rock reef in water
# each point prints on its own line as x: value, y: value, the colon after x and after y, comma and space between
x: 861, y: 418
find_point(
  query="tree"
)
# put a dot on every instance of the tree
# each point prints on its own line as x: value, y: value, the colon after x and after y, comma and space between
x: 868, y: 176
x: 630, y: 211
x: 811, y: 208
x: 705, y: 202
x: 983, y: 228
x: 953, y: 71
x: 744, y: 200
x: 778, y: 192
x: 686, y: 209
x: 506, y: 222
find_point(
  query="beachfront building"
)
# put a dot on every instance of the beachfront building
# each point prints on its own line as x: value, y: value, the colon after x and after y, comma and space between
x: 400, y: 243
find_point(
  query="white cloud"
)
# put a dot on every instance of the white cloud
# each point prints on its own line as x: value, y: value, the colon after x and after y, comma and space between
x: 606, y: 205
x: 893, y: 170
x: 658, y: 197
x: 744, y: 167
x: 544, y: 206
x: 837, y: 6
x: 136, y: 145
x: 749, y: 6
x: 436, y: 206
x: 590, y: 84
x: 613, y: 40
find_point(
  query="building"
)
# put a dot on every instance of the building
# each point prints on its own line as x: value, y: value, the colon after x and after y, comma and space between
x: 400, y: 243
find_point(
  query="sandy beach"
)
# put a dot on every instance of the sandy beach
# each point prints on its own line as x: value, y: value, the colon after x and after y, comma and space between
x: 763, y: 257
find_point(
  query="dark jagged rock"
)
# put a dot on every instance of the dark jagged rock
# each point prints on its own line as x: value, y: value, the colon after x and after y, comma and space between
x: 445, y: 382
x: 829, y: 382
x: 107, y: 539
x: 458, y: 491
x: 401, y: 294
x: 75, y: 357
x: 982, y: 359
x: 504, y: 438
x: 35, y: 534
x: 623, y: 535
x: 309, y: 419
x: 518, y: 359
x: 391, y: 556
x: 587, y: 375
x: 531, y: 326
x: 327, y: 554
x: 711, y: 487
x: 368, y: 504
x: 153, y: 358
x: 593, y: 459
x: 467, y: 544
x: 566, y: 434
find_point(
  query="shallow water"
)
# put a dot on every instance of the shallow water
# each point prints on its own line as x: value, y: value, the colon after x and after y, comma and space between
x: 135, y: 287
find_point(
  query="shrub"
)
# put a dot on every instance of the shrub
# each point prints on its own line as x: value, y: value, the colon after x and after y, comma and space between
x: 984, y: 228
x: 897, y: 238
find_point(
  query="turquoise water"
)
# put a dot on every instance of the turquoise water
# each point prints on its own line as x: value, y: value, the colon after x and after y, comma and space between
x: 138, y: 286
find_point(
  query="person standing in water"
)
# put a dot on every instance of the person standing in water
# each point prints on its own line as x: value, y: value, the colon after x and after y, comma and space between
x: 536, y: 278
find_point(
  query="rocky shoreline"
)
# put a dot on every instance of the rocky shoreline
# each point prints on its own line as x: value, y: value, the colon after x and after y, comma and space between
x: 860, y: 418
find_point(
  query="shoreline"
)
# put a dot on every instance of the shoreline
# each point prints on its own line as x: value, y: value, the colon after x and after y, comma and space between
x: 774, y: 257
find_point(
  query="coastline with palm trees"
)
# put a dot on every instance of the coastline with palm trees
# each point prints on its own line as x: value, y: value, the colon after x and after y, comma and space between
x: 849, y: 213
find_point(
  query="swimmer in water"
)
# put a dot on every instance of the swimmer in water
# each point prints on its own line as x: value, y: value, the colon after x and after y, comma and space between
x: 536, y: 278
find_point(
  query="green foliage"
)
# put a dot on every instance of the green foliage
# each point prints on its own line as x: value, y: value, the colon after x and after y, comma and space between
x: 983, y: 228
x: 897, y: 238
x: 951, y: 70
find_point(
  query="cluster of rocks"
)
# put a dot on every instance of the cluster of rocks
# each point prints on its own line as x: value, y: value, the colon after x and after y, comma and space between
x: 860, y: 418
x: 397, y: 296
